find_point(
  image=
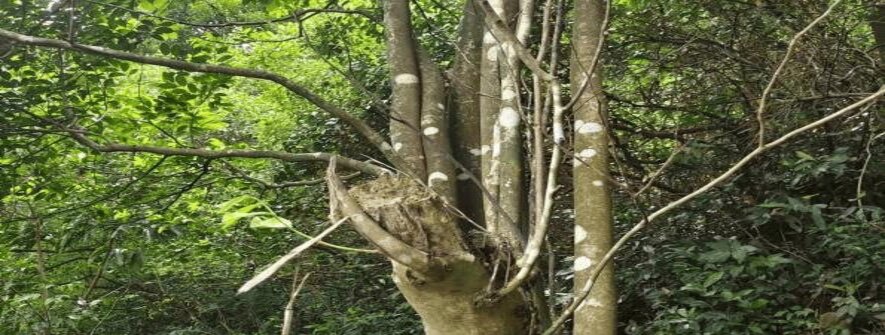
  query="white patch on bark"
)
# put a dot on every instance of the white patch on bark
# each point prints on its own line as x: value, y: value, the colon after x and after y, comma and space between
x: 598, y: 183
x: 488, y: 38
x: 496, y: 149
x: 508, y: 94
x: 436, y: 176
x: 587, y: 127
x: 485, y: 149
x: 580, y: 234
x: 468, y: 257
x: 440, y: 106
x: 587, y: 153
x: 385, y: 146
x: 397, y: 146
x: 463, y: 176
x: 582, y: 263
x: 431, y: 131
x: 509, y: 117
x: 558, y: 132
x: 406, y: 78
x: 492, y: 54
x: 475, y: 152
x: 508, y: 49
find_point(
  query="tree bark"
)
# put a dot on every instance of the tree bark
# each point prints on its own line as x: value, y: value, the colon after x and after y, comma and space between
x: 593, y: 209
x: 501, y: 148
x: 464, y: 111
x: 405, y: 105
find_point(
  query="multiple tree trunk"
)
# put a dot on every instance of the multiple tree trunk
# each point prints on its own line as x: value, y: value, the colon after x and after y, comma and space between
x: 484, y: 285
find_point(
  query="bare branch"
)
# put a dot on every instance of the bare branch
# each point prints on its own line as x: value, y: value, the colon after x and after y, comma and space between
x: 536, y: 240
x: 660, y: 170
x: 273, y: 268
x: 266, y: 184
x: 780, y: 68
x: 589, y: 72
x: 859, y: 193
x: 406, y: 85
x: 212, y: 154
x: 436, y: 145
x: 288, y: 313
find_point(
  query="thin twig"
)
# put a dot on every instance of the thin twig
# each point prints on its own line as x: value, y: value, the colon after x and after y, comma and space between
x: 863, y: 171
x: 289, y: 312
x: 780, y: 68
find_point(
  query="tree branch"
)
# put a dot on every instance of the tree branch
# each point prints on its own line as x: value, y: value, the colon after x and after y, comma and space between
x: 363, y: 128
x: 212, y: 154
x: 273, y: 268
x: 500, y: 30
x: 266, y: 184
x: 780, y: 68
x: 295, y: 16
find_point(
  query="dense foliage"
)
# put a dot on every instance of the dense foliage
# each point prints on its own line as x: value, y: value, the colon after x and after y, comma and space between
x: 122, y: 243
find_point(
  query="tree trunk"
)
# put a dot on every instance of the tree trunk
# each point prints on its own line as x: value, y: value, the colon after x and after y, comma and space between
x: 444, y: 296
x: 593, y: 210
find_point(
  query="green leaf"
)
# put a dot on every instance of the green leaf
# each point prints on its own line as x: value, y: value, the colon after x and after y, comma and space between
x: 272, y: 222
x: 227, y: 206
x: 796, y: 204
x: 817, y: 217
x: 804, y: 156
x: 721, y: 251
x: 713, y: 278
x: 228, y: 220
x: 772, y: 205
x: 715, y: 256
x: 152, y: 5
x: 740, y: 252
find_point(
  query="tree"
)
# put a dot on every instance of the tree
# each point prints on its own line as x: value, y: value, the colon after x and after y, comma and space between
x: 464, y: 207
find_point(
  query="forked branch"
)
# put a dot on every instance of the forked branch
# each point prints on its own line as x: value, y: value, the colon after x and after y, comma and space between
x: 780, y: 68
